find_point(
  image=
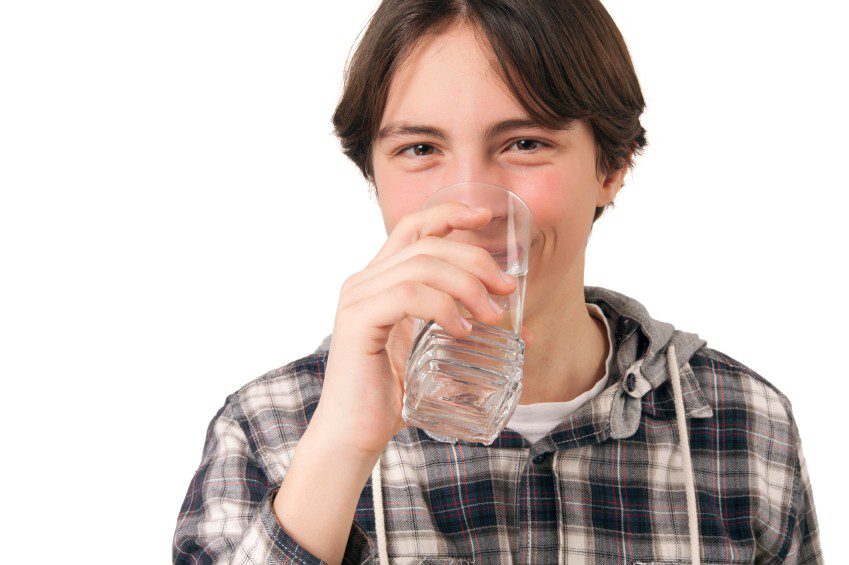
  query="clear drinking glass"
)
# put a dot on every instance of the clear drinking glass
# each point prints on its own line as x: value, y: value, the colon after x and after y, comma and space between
x: 468, y: 388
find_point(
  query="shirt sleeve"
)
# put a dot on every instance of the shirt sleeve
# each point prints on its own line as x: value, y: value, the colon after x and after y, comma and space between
x: 792, y: 534
x: 803, y: 540
x: 227, y: 515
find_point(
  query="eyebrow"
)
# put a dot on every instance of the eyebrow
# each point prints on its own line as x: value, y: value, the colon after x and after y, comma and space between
x: 398, y: 129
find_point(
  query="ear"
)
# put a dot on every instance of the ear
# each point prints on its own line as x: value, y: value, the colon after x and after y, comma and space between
x: 613, y: 182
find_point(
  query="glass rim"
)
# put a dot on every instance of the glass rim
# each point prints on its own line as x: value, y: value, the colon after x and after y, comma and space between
x: 489, y: 184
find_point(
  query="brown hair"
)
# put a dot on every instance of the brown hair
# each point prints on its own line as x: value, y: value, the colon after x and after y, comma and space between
x: 563, y: 60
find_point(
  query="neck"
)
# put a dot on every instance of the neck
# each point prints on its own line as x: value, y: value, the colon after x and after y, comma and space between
x: 570, y: 345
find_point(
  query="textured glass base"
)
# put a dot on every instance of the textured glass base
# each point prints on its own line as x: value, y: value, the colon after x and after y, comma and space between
x: 464, y: 388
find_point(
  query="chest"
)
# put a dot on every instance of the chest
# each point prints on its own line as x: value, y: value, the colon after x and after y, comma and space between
x: 618, y: 500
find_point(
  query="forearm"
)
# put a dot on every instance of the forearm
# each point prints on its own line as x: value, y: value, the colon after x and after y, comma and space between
x: 319, y: 494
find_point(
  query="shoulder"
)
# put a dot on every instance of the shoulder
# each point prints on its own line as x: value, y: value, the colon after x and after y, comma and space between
x: 294, y: 387
x: 729, y: 384
x: 752, y: 424
x: 275, y: 409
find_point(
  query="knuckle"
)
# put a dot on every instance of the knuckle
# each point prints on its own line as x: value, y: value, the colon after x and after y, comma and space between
x: 448, y: 307
x: 461, y: 207
x: 404, y: 221
x: 342, y: 314
x: 406, y: 227
x: 485, y: 298
x: 408, y: 290
x: 472, y: 285
x: 479, y: 297
x: 421, y: 260
x: 483, y: 259
x: 348, y: 283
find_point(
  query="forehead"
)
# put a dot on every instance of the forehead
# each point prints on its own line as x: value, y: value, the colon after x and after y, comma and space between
x: 447, y: 75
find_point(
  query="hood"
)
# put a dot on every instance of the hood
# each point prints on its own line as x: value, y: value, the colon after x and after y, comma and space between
x: 648, y: 353
x: 646, y: 348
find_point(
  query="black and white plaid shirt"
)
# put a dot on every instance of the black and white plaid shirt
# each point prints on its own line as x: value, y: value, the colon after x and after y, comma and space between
x: 605, y: 486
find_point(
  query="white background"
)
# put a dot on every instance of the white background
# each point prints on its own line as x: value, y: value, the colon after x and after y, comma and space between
x: 177, y: 218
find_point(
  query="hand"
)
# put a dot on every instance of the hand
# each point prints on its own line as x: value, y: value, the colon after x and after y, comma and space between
x: 417, y: 273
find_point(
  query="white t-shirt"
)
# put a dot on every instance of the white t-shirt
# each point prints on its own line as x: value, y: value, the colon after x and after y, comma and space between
x: 534, y: 421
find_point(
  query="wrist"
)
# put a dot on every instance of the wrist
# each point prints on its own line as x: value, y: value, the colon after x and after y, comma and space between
x: 325, y: 438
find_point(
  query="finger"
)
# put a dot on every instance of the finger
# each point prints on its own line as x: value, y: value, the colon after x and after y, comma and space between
x: 436, y: 273
x: 409, y: 298
x: 437, y: 220
x: 471, y: 258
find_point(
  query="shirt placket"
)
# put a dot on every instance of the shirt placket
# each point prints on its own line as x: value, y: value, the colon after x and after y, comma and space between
x: 537, y: 511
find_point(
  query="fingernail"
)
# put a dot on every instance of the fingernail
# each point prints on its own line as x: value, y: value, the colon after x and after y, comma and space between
x: 479, y: 209
x: 506, y: 278
x: 498, y: 309
x: 466, y: 324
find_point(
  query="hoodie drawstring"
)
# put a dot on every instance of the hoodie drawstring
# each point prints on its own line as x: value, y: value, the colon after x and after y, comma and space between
x: 379, y: 521
x: 684, y: 440
x: 689, y: 481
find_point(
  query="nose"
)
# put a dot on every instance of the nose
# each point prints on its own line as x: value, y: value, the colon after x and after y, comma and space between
x: 494, y: 201
x: 474, y: 167
x: 470, y: 164
x: 469, y: 192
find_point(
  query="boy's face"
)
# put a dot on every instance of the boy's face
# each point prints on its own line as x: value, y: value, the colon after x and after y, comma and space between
x: 447, y: 83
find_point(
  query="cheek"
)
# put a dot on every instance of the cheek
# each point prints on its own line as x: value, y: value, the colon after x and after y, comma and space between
x: 397, y: 197
x: 394, y: 208
x: 558, y: 201
x: 549, y: 207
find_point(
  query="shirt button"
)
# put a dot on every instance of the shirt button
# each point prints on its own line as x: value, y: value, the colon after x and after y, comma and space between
x: 540, y: 458
x: 630, y: 382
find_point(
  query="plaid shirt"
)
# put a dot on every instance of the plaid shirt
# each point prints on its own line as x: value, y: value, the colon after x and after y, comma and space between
x: 588, y: 492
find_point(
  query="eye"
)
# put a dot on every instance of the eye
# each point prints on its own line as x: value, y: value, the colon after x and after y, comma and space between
x: 419, y: 150
x: 525, y: 145
x: 426, y: 149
